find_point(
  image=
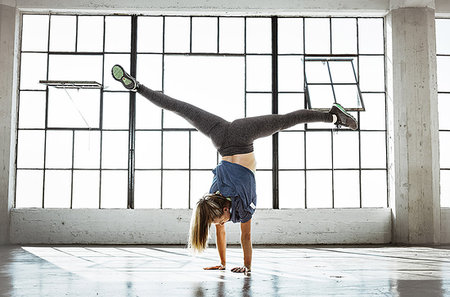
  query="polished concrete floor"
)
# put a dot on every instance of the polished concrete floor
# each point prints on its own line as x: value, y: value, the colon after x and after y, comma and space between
x: 172, y: 271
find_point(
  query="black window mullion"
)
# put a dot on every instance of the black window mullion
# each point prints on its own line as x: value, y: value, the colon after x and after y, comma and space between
x: 275, y: 159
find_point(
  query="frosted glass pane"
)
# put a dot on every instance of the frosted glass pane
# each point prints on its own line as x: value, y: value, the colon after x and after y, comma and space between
x: 203, y: 153
x: 177, y: 34
x: 321, y: 96
x: 148, y: 115
x: 373, y: 149
x: 444, y: 106
x: 200, y: 184
x: 373, y: 188
x: 86, y: 189
x: 231, y: 35
x: 117, y: 33
x: 371, y: 71
x: 345, y: 150
x: 443, y: 74
x: 59, y: 149
x: 73, y: 108
x: 176, y: 150
x: 342, y: 72
x: 87, y: 149
x: 264, y: 190
x: 371, y: 39
x: 114, y: 189
x: 90, y: 34
x: 29, y: 189
x: 259, y: 73
x: 290, y: 36
x: 115, y: 150
x: 32, y: 110
x: 374, y: 117
x: 116, y: 110
x: 83, y: 67
x: 442, y: 40
x: 150, y: 34
x: 110, y: 83
x: 318, y: 189
x: 148, y: 150
x: 290, y: 74
x: 62, y: 33
x: 346, y: 188
x: 35, y: 33
x: 33, y: 68
x: 318, y: 150
x: 343, y: 36
x: 259, y: 35
x: 149, y: 71
x: 175, y: 189
x: 291, y: 150
x: 444, y: 148
x: 258, y: 104
x: 317, y: 36
x: 30, y: 149
x: 147, y: 189
x: 263, y: 152
x: 291, y: 102
x: 204, y: 35
x: 186, y: 77
x: 317, y: 72
x: 445, y: 188
x: 292, y: 189
x: 57, y: 188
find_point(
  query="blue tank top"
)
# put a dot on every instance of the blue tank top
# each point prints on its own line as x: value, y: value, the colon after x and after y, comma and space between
x: 237, y: 182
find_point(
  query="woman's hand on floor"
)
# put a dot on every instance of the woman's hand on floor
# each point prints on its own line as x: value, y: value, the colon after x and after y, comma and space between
x: 218, y: 267
x: 242, y: 269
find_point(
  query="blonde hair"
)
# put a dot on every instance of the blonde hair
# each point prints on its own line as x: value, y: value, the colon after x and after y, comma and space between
x: 208, y: 208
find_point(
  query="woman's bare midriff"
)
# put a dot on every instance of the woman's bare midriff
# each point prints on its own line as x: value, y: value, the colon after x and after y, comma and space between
x: 246, y: 160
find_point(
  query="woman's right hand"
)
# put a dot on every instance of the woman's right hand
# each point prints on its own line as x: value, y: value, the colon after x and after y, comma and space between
x: 218, y: 267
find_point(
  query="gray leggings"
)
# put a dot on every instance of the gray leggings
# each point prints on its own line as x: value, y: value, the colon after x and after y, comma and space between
x: 236, y: 137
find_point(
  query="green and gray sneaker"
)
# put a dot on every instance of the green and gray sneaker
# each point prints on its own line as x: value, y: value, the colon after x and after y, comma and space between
x: 127, y: 80
x: 343, y: 117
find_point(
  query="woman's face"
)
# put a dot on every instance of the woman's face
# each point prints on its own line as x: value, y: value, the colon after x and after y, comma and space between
x: 223, y: 218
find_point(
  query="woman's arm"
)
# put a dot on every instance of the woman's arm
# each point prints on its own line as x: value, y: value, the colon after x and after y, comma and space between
x: 221, y: 243
x: 246, y: 243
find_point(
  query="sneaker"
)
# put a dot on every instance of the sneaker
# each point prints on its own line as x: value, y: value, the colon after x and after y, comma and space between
x: 343, y: 117
x: 127, y: 80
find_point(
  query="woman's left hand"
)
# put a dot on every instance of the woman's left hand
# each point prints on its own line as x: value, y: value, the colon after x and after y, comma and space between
x: 242, y: 269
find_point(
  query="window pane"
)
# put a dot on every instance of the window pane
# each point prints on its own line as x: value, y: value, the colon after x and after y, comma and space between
x: 62, y: 33
x: 346, y: 150
x: 290, y: 74
x: 259, y: 35
x: 443, y: 74
x: 35, y: 33
x: 317, y: 36
x: 59, y: 149
x: 291, y: 102
x: 32, y: 110
x: 200, y: 184
x: 259, y: 73
x: 110, y: 83
x: 148, y: 115
x: 321, y: 96
x: 150, y: 34
x: 291, y: 150
x: 57, y: 188
x: 115, y: 149
x: 147, y: 189
x: 292, y: 189
x: 149, y: 71
x: 114, y: 189
x: 371, y: 71
x: 204, y: 35
x: 115, y: 110
x: 348, y: 96
x: 259, y: 104
x: 231, y: 35
x: 29, y: 185
x: 317, y: 72
x: 90, y: 33
x: 87, y: 149
x: 342, y: 72
x: 264, y: 190
x: 371, y: 37
x: 86, y: 188
x: 444, y: 105
x: 442, y: 40
x: 445, y: 188
x: 263, y: 151
x: 290, y: 35
x: 177, y: 34
x: 444, y: 148
x: 346, y: 188
x: 373, y: 149
x: 175, y: 189
x: 318, y: 150
x: 33, y: 67
x: 30, y: 149
x: 148, y: 150
x: 344, y: 35
x: 203, y: 153
x: 117, y: 33
x: 373, y: 188
x: 318, y: 189
x: 374, y: 117
x: 176, y: 150
x: 83, y: 67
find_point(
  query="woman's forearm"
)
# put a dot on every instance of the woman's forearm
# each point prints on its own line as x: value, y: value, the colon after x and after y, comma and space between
x: 221, y: 243
x: 246, y: 242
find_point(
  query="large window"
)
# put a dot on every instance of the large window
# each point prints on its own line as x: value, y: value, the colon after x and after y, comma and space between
x: 108, y: 148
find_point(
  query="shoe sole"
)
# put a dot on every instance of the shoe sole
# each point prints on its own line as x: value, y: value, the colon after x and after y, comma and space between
x: 341, y: 108
x: 119, y: 75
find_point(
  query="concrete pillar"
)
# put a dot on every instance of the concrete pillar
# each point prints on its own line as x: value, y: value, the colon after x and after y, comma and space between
x: 7, y: 115
x: 413, y: 125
